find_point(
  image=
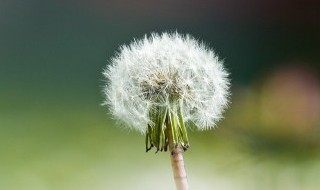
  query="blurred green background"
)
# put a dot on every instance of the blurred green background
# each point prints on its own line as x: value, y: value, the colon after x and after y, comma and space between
x: 55, y: 135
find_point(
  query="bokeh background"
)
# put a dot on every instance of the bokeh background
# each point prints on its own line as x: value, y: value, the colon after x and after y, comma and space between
x: 55, y: 135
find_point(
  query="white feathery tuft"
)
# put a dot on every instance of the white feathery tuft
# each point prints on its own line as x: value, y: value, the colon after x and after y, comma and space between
x: 146, y: 72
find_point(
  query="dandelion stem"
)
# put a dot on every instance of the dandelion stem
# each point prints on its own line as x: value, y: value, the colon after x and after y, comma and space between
x: 177, y: 163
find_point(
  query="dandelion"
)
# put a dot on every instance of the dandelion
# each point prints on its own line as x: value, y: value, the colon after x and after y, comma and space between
x: 162, y: 84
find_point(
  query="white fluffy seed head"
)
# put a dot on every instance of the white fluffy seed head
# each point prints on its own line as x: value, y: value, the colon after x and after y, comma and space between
x: 155, y: 69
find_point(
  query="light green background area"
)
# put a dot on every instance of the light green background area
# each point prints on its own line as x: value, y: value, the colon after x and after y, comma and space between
x: 82, y: 149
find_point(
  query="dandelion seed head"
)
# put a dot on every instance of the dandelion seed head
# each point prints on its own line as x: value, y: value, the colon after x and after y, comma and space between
x: 155, y: 69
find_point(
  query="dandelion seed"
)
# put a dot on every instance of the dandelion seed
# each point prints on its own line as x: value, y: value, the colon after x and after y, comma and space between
x: 162, y: 83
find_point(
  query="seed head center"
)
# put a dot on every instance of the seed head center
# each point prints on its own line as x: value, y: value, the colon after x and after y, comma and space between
x: 162, y: 85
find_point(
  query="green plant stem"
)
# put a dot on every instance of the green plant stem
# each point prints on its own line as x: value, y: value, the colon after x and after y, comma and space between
x: 177, y: 162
